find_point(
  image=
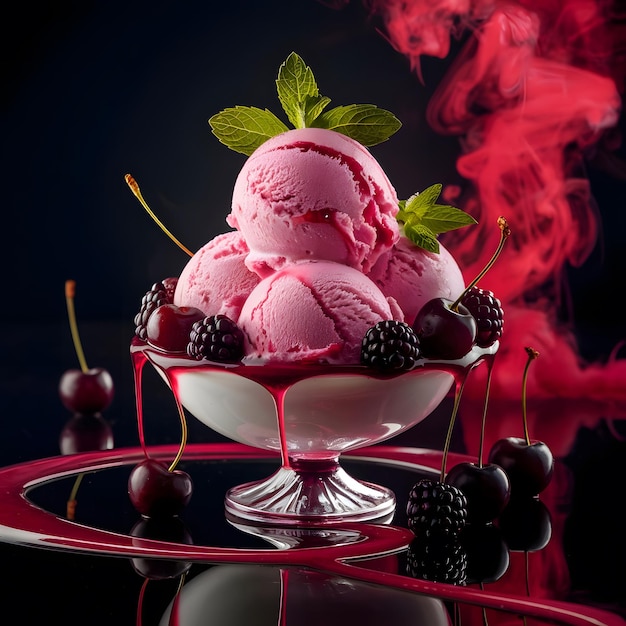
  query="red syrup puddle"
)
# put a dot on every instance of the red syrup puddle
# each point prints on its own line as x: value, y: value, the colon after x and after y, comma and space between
x: 23, y: 523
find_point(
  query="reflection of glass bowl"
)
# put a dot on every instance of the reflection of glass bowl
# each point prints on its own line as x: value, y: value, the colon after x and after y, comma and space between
x: 311, y: 414
x: 240, y: 594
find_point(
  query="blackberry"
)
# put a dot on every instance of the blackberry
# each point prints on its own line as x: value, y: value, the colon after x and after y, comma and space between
x: 436, y: 510
x: 488, y: 313
x: 390, y: 345
x: 216, y: 338
x: 160, y: 293
x: 439, y: 559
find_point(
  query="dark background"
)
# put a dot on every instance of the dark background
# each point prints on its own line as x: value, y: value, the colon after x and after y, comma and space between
x: 93, y: 90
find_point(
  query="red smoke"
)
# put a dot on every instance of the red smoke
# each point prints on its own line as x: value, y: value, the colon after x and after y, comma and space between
x: 534, y: 86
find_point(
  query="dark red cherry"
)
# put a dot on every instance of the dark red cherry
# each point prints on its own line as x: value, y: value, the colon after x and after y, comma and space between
x: 444, y: 332
x: 84, y: 433
x: 156, y: 492
x: 170, y: 529
x: 486, y: 489
x: 526, y: 524
x: 529, y: 466
x: 169, y: 326
x: 86, y: 392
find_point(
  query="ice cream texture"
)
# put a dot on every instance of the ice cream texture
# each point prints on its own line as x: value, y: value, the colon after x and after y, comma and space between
x: 317, y: 256
x: 312, y: 311
x: 216, y: 279
x: 412, y: 276
x: 310, y: 194
x: 321, y: 249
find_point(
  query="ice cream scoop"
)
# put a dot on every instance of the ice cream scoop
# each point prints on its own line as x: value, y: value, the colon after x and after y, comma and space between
x: 312, y: 311
x: 412, y: 276
x: 216, y: 279
x: 313, y: 194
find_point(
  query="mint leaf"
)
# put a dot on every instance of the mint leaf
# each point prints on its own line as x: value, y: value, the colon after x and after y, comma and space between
x: 422, y: 237
x: 423, y: 219
x: 365, y: 123
x: 298, y: 92
x: 313, y: 107
x: 442, y: 218
x: 244, y: 129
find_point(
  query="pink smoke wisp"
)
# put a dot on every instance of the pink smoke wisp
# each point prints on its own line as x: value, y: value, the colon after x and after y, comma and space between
x: 533, y: 87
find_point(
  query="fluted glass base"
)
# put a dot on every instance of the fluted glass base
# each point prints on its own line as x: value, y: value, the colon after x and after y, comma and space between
x: 310, y: 491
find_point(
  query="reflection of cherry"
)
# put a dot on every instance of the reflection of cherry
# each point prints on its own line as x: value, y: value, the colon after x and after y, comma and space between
x: 84, y: 433
x: 487, y: 553
x: 526, y: 524
x: 171, y: 529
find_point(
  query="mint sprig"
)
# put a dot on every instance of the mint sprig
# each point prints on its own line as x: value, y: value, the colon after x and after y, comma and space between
x: 244, y: 129
x: 423, y: 219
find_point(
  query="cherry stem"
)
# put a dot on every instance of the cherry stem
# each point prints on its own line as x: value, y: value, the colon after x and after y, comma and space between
x: 183, y: 436
x: 142, y: 593
x: 70, y: 291
x: 446, y: 446
x: 134, y: 187
x: 532, y: 355
x: 481, y: 445
x: 505, y: 231
x: 72, y: 501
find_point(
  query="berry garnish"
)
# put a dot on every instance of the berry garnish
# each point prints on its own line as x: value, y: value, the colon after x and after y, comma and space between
x: 159, y: 294
x: 169, y: 326
x: 390, y: 345
x: 528, y: 464
x: 156, y: 491
x: 487, y: 311
x: 216, y: 338
x: 85, y: 391
x: 440, y: 559
x: 446, y: 329
x: 435, y: 509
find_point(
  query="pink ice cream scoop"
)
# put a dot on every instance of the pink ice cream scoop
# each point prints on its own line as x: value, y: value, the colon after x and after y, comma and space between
x: 310, y: 194
x: 412, y: 276
x: 216, y: 279
x: 312, y: 311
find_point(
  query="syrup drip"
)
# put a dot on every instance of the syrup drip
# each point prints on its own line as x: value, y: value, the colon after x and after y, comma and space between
x: 139, y: 360
x: 278, y: 378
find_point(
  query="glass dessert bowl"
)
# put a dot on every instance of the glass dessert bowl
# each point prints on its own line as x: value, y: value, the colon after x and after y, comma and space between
x: 311, y: 415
